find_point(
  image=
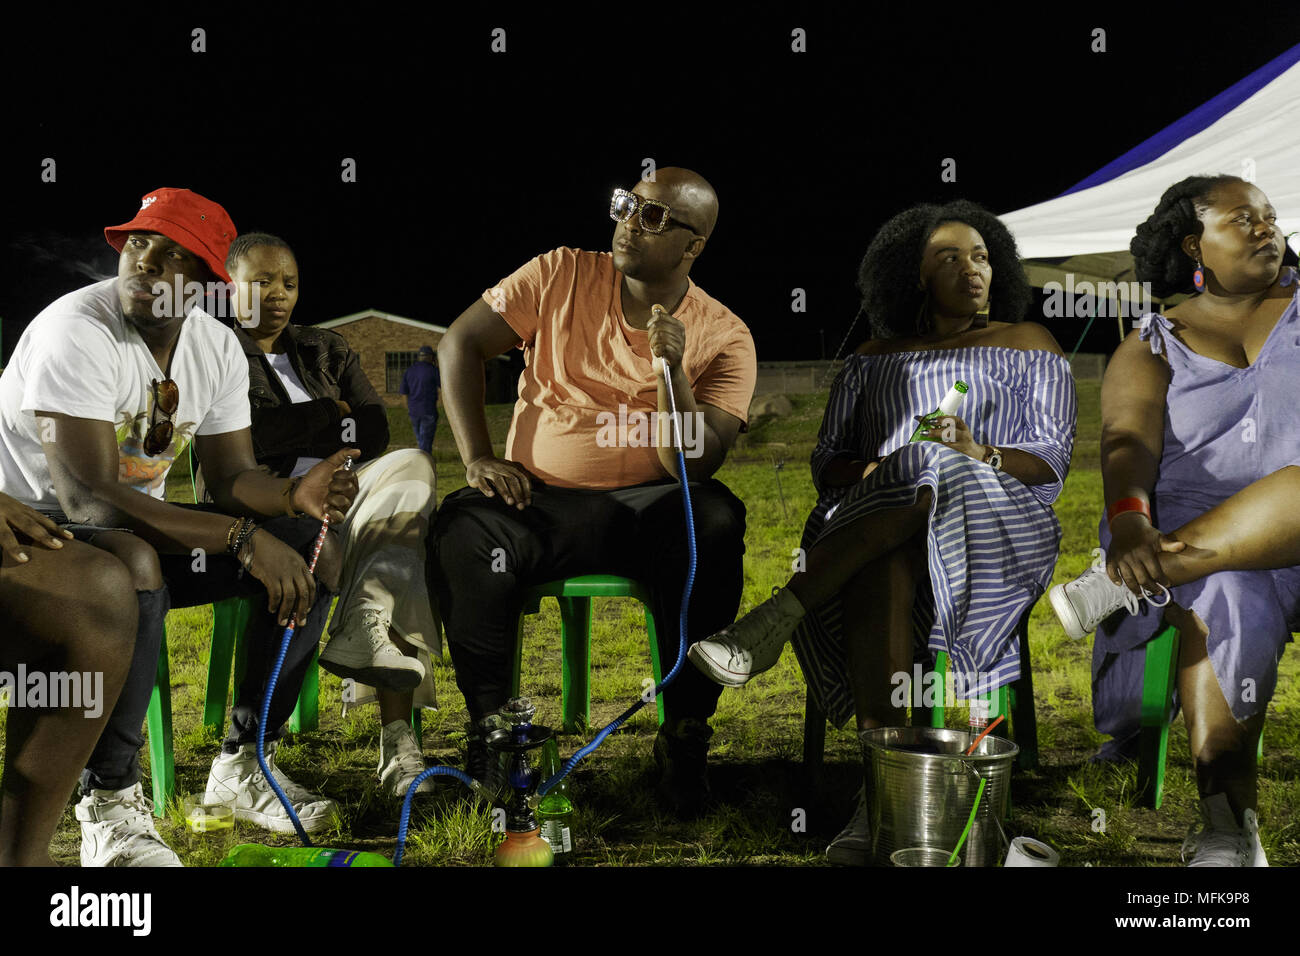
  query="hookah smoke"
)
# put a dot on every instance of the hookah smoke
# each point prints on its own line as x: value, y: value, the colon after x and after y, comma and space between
x: 275, y: 676
x: 618, y: 721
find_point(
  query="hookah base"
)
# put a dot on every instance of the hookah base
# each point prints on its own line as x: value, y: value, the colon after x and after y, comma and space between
x: 523, y: 849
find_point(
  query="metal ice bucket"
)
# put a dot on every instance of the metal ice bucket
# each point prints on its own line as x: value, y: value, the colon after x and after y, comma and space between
x: 921, y: 787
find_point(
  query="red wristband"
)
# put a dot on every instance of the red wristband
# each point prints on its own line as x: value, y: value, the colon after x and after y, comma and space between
x: 1127, y: 504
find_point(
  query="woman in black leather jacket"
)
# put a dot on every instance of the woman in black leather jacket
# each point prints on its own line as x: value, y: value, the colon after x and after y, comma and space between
x: 309, y: 397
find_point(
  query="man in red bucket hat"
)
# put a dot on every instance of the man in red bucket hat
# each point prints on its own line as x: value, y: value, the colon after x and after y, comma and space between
x: 106, y: 387
x: 185, y: 217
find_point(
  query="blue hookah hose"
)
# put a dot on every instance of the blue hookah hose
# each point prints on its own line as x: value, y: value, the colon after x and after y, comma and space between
x: 270, y: 689
x: 261, y: 731
x: 428, y: 772
x: 618, y: 721
x: 266, y: 706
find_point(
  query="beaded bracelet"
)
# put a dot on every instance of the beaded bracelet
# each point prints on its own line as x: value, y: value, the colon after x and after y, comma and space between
x: 244, y: 535
x: 230, y: 534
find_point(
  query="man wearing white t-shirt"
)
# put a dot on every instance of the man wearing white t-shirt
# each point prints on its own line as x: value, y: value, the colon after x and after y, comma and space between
x: 105, y: 388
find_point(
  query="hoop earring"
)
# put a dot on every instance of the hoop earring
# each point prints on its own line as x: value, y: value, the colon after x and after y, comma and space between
x: 1198, y: 277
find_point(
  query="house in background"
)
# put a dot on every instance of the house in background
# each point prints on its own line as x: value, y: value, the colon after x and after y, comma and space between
x: 388, y: 344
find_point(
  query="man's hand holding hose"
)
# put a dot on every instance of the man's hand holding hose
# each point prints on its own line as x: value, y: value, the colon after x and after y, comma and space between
x: 668, y: 342
x: 327, y: 490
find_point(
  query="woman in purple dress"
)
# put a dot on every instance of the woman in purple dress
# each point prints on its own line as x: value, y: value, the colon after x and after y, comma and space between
x: 919, y: 547
x: 1199, y: 448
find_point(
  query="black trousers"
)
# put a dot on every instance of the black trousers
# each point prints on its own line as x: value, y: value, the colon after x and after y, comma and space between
x: 483, y: 554
x: 114, y: 764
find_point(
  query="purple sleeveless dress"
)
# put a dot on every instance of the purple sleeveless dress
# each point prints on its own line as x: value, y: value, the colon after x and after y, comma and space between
x: 1225, y: 427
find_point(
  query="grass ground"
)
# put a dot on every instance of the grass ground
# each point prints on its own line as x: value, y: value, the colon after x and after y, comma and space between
x: 756, y: 750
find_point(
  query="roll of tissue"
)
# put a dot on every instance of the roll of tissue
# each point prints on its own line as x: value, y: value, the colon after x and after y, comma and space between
x: 1026, y: 851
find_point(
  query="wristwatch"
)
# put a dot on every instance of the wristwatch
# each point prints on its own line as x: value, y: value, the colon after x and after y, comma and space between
x: 993, y: 457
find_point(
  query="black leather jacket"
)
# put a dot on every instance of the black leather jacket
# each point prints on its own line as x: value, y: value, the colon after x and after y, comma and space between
x: 329, y: 371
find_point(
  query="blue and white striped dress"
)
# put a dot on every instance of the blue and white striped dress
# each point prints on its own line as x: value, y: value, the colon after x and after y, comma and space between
x: 992, y: 539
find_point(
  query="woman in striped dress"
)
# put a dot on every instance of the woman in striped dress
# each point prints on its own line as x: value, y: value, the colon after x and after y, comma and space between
x: 936, y: 545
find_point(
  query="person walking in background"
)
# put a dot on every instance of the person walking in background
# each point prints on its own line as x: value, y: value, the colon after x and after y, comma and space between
x: 420, y: 385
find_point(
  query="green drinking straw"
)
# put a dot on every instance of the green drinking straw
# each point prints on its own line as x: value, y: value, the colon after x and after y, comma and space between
x: 969, y: 823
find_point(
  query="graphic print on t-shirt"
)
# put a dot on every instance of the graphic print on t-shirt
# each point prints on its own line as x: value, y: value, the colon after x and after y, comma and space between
x: 81, y: 358
x: 135, y: 467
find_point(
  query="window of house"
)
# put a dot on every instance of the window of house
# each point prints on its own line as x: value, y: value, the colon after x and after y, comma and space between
x: 395, y: 366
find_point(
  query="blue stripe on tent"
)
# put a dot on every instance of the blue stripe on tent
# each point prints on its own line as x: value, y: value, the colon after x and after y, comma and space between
x: 1198, y: 119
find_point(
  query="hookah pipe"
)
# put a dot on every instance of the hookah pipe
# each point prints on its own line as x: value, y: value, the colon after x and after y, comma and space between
x: 270, y: 687
x: 618, y: 721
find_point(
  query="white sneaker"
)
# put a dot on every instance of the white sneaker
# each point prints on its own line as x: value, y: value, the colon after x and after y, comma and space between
x: 853, y: 845
x: 361, y: 649
x: 401, y: 761
x: 1092, y: 597
x: 117, y: 830
x: 255, y: 801
x: 751, y: 645
x: 1221, y: 842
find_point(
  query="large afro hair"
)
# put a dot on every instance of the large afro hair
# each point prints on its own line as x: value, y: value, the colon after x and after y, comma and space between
x: 888, y: 275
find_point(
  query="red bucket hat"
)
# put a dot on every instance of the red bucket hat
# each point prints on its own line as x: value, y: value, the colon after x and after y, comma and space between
x: 183, y: 216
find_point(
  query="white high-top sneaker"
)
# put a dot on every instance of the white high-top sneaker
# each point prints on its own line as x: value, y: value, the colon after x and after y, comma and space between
x: 361, y: 649
x: 751, y: 645
x: 1220, y: 841
x: 255, y: 801
x: 117, y: 830
x: 400, y: 761
x: 1092, y: 597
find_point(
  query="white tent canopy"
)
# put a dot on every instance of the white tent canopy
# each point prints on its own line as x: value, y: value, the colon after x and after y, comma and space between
x: 1251, y: 130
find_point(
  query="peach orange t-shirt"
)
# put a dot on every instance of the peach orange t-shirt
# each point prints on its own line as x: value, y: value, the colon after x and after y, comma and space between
x: 583, y: 360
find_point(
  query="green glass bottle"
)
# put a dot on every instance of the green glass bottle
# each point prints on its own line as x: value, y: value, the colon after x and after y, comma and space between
x: 555, y: 811
x: 254, y: 854
x: 949, y: 406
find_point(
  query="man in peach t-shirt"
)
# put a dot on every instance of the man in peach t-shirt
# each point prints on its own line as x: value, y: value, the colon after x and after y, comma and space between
x: 589, y: 479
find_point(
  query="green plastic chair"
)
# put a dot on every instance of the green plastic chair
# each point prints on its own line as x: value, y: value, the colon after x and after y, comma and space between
x: 1159, y: 678
x: 162, y: 764
x: 229, y: 620
x: 574, y: 597
x: 1014, y: 701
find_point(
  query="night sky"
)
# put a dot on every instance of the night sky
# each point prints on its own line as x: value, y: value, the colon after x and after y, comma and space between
x: 470, y: 162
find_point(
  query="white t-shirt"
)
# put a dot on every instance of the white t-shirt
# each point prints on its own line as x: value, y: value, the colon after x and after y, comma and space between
x: 289, y: 379
x: 80, y: 357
